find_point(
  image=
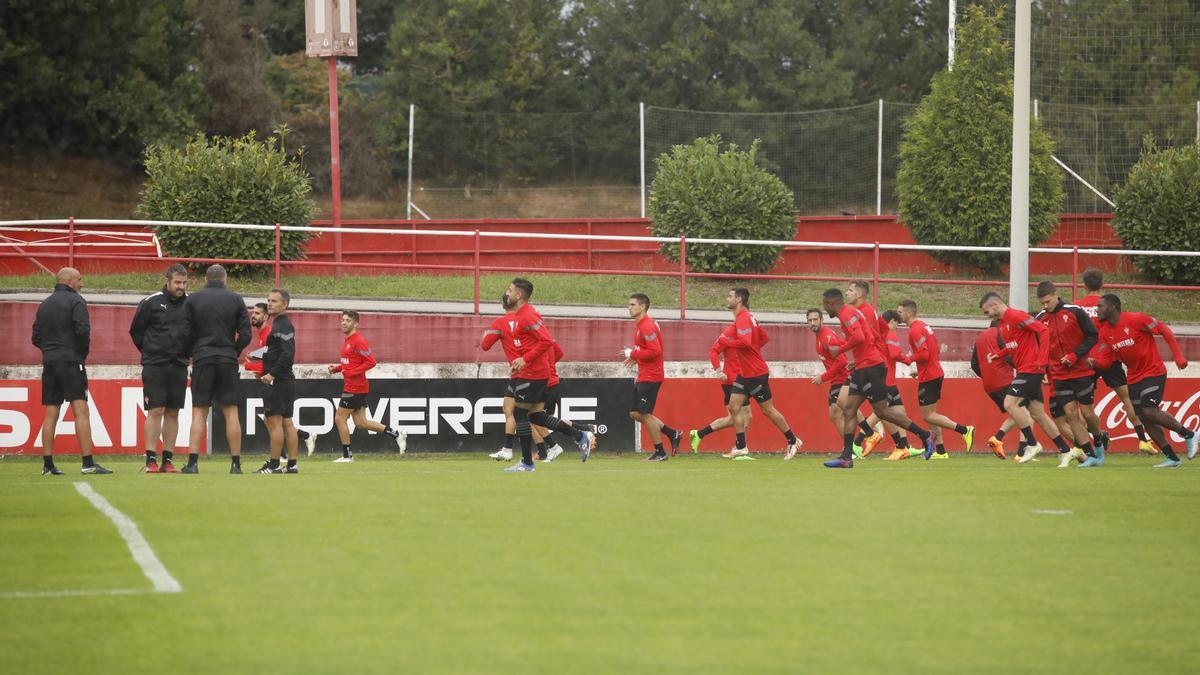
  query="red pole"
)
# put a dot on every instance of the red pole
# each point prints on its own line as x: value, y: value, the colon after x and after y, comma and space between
x: 589, y: 244
x: 71, y: 242
x: 335, y: 161
x: 278, y: 239
x: 413, y: 259
x: 682, y: 277
x: 1074, y: 271
x: 875, y: 284
x: 476, y: 271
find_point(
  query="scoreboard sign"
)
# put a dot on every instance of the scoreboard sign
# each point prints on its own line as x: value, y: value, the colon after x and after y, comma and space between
x: 331, y: 27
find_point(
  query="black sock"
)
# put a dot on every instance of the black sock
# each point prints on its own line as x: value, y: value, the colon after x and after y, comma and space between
x: 581, y: 426
x: 658, y: 449
x: 667, y: 431
x: 88, y: 461
x: 941, y: 448
x: 541, y: 450
x: 741, y: 441
x: 508, y: 441
x: 921, y: 433
x: 544, y: 419
x: 346, y: 450
x: 151, y: 456
x: 193, y: 458
x: 898, y: 438
x: 1187, y: 433
x: 960, y: 429
x: 391, y: 432
x: 291, y: 463
x: 1027, y: 432
x: 1103, y: 440
x: 791, y: 438
x: 1021, y: 448
x: 549, y: 440
x: 527, y: 450
x: 705, y: 431
x: 236, y: 460
x: 1088, y: 449
x: 168, y: 455
x: 999, y: 435
x: 859, y: 438
x: 273, y: 463
x: 847, y: 446
x: 48, y: 461
x: 866, y: 428
x: 1141, y: 432
x: 1169, y: 452
x: 1061, y: 444
x: 302, y: 434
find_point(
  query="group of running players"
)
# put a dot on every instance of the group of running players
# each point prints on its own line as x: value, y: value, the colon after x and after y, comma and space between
x: 1075, y: 345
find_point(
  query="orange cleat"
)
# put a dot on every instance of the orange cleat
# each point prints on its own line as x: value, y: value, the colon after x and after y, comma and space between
x: 870, y: 442
x: 897, y: 455
x: 997, y: 447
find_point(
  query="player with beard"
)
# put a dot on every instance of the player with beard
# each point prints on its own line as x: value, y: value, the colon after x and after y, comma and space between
x: 356, y: 359
x: 996, y: 376
x: 925, y: 352
x: 1072, y: 338
x: 837, y: 374
x: 647, y: 355
x: 156, y: 331
x: 725, y: 366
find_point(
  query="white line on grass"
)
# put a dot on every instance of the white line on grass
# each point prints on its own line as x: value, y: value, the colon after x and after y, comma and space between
x: 139, y: 548
x: 72, y: 594
x: 1054, y: 512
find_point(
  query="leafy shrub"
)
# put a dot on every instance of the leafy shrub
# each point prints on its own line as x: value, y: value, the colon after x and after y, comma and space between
x: 226, y: 180
x: 955, y: 176
x: 701, y: 191
x: 1158, y: 208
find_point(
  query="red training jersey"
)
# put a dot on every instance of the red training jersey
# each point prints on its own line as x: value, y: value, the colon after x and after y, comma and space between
x: 1026, y: 340
x: 858, y: 338
x: 356, y: 361
x: 504, y: 331
x: 1089, y: 305
x: 926, y: 352
x: 836, y: 370
x: 730, y: 366
x: 534, y: 341
x: 1072, y: 337
x: 556, y: 355
x: 996, y: 375
x: 891, y: 342
x: 748, y: 340
x: 648, y: 350
x: 1132, y: 341
x: 256, y: 365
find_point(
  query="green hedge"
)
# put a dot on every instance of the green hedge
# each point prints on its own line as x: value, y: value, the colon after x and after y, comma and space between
x: 1158, y: 208
x: 226, y: 180
x: 701, y: 191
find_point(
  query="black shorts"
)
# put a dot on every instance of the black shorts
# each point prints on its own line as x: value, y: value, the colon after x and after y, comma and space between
x: 869, y: 382
x: 930, y: 392
x: 63, y: 381
x: 1081, y: 389
x: 214, y: 384
x: 164, y: 385
x: 757, y: 388
x: 1026, y: 386
x: 1114, y: 376
x: 893, y: 395
x: 553, y: 396
x: 834, y: 390
x: 352, y: 401
x: 1147, y: 393
x: 998, y: 397
x: 727, y: 389
x: 1056, y: 407
x: 645, y: 395
x: 527, y: 391
x: 279, y: 398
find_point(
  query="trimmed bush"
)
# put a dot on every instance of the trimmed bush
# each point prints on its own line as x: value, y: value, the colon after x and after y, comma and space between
x: 226, y: 180
x: 701, y: 191
x: 955, y: 176
x: 1158, y: 208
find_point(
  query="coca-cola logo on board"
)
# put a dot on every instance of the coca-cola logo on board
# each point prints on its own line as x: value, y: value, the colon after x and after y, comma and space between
x: 1113, y: 417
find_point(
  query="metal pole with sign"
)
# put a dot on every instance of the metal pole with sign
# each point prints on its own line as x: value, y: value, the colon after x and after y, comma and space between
x: 331, y: 30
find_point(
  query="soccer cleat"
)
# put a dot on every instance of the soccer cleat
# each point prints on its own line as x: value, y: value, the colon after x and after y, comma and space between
x: 1092, y: 461
x: 930, y: 446
x: 675, y: 438
x: 1101, y: 450
x: 941, y: 455
x: 311, y: 444
x: 736, y: 452
x: 292, y: 469
x: 897, y: 455
x: 167, y: 467
x: 1169, y: 464
x: 343, y: 460
x: 1147, y: 447
x: 502, y: 455
x: 402, y: 443
x: 997, y: 447
x: 235, y: 469
x: 520, y: 467
x: 1031, y: 451
x: 553, y: 452
x: 856, y: 451
x: 792, y: 449
x: 969, y: 438
x: 586, y: 443
x: 1064, y: 458
x: 94, y: 469
x: 695, y: 440
x: 1193, y: 445
x: 870, y: 442
x: 151, y: 467
x: 840, y: 463
x: 51, y: 471
x: 266, y: 468
x: 657, y: 457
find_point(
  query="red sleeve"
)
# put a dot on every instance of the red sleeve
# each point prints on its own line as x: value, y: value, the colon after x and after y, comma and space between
x: 1156, y: 327
x: 650, y: 347
x: 361, y: 360
x: 743, y: 332
x: 493, y: 334
x: 544, y: 341
x: 920, y: 345
x: 854, y: 333
x: 1104, y: 356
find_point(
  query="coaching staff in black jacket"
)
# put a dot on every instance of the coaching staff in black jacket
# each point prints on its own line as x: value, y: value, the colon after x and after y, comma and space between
x: 216, y: 330
x: 157, y: 332
x: 63, y: 331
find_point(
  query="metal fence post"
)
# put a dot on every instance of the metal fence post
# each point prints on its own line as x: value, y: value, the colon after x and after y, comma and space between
x: 642, y: 152
x: 683, y: 277
x: 476, y: 272
x: 278, y: 254
x: 879, y: 165
x: 1074, y: 271
x: 412, y: 114
x: 875, y: 282
x: 589, y: 244
x: 71, y: 242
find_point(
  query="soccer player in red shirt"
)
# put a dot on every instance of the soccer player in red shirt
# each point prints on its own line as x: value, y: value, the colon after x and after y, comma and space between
x: 753, y: 375
x: 996, y: 376
x: 1129, y: 337
x: 725, y: 367
x: 837, y: 374
x: 856, y: 296
x: 646, y: 355
x: 868, y: 378
x: 1027, y: 342
x: 1072, y: 338
x: 1114, y: 377
x: 530, y: 375
x: 356, y: 360
x: 925, y: 351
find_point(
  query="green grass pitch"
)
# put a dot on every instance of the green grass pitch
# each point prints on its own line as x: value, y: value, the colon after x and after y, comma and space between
x: 445, y: 564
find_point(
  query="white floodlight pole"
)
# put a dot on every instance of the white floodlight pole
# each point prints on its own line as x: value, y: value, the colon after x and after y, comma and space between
x: 412, y: 115
x: 950, y: 35
x: 642, y: 153
x: 879, y: 164
x: 1018, y: 266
